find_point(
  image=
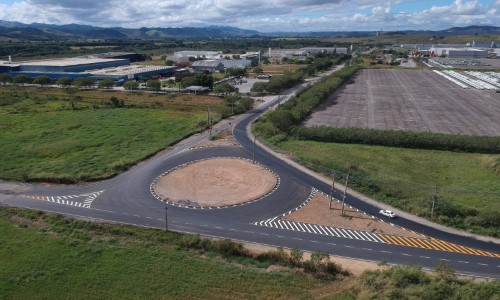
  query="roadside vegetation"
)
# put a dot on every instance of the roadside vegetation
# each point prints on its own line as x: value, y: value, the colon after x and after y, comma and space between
x: 44, y: 255
x: 69, y: 135
x: 404, y: 169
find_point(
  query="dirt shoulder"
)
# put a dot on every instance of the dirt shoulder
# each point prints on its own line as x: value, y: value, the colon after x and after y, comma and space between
x: 317, y: 211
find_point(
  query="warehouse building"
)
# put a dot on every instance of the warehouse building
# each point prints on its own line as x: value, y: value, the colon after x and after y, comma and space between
x: 327, y: 50
x: 123, y: 73
x: 75, y: 64
x: 207, y: 66
x: 458, y: 52
x: 184, y: 55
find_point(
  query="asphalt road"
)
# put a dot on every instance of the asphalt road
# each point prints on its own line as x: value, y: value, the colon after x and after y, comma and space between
x: 127, y: 199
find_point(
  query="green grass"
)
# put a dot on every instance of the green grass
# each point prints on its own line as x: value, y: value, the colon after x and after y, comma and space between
x: 43, y: 139
x: 86, y: 144
x: 48, y: 256
x: 405, y: 178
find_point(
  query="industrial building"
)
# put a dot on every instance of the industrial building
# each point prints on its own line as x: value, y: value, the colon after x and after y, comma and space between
x: 328, y: 50
x: 133, y: 72
x: 99, y: 66
x: 458, y: 52
x: 185, y: 55
x: 132, y: 57
x: 208, y: 66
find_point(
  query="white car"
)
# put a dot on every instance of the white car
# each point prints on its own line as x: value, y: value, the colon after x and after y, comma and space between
x: 387, y: 213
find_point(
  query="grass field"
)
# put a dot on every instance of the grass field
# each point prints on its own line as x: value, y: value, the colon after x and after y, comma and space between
x: 44, y: 139
x: 54, y: 258
x: 47, y: 256
x: 279, y: 69
x: 468, y: 184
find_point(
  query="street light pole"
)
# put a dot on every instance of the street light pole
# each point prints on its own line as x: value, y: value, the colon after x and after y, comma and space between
x: 345, y: 191
x: 166, y: 219
x: 331, y: 191
x: 253, y: 156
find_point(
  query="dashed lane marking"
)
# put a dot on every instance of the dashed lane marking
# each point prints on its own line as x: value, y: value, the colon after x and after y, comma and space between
x: 82, y: 200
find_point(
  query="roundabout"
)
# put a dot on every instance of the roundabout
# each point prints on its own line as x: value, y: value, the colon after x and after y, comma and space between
x: 215, y: 182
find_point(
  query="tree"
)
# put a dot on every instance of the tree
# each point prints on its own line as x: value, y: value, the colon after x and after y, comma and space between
x: 169, y: 62
x: 106, y: 84
x: 73, y: 97
x: 236, y: 72
x: 42, y: 80
x: 20, y: 79
x: 154, y: 85
x: 282, y: 119
x: 5, y: 78
x: 259, y: 88
x: 64, y: 81
x: 131, y: 85
x: 258, y: 70
x: 84, y: 82
x: 225, y: 89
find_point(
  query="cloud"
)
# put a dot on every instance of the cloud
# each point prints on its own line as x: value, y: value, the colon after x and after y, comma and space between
x: 263, y: 15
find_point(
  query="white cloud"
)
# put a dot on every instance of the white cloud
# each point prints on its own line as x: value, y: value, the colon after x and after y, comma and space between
x: 264, y: 15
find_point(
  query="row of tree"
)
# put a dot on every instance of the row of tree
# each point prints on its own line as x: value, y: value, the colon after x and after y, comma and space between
x: 82, y: 82
x: 293, y: 112
x: 404, y: 139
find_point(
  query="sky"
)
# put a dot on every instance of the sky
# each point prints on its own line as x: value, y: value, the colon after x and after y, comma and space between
x: 261, y: 15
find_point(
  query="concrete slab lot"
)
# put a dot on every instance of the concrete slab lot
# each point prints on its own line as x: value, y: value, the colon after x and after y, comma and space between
x: 410, y: 100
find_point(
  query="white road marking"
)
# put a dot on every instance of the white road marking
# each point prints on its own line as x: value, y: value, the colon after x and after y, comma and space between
x: 386, y: 251
x: 482, y: 264
x: 463, y: 262
x: 367, y: 249
x: 424, y: 256
x: 406, y: 254
x: 444, y: 259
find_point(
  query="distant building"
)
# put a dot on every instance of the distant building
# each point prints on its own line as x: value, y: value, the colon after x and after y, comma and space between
x: 208, y: 65
x: 484, y: 45
x: 458, y: 52
x: 180, y: 55
x: 236, y: 63
x: 288, y: 53
x: 328, y: 50
x: 132, y: 57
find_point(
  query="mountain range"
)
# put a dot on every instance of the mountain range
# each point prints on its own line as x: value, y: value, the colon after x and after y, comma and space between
x: 16, y: 31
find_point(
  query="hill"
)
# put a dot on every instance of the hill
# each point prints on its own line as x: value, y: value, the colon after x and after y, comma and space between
x: 43, y: 32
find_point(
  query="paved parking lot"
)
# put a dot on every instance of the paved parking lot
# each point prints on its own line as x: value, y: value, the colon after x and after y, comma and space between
x: 410, y: 100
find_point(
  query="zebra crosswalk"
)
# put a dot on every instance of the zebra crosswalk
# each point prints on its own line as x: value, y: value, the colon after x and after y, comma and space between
x: 424, y: 243
x: 82, y: 200
x: 320, y: 229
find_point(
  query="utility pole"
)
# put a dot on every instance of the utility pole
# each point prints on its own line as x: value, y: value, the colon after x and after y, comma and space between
x: 166, y: 220
x: 254, y: 148
x: 209, y: 123
x: 345, y: 192
x: 434, y: 198
x: 331, y: 191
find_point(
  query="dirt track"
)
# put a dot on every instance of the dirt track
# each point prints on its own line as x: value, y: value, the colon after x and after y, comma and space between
x: 410, y: 100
